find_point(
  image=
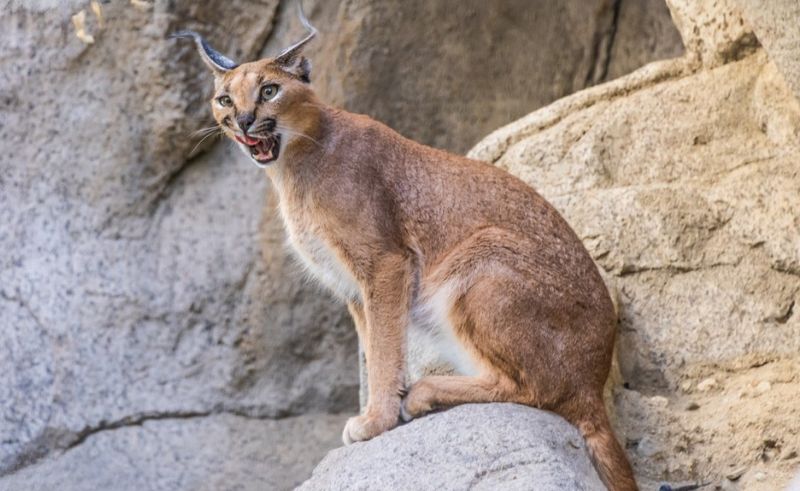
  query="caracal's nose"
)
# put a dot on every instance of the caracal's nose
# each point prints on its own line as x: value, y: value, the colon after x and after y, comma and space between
x: 245, y: 121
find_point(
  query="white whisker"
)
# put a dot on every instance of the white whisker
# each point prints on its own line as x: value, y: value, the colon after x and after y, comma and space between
x: 297, y: 133
x: 206, y: 130
x: 204, y: 139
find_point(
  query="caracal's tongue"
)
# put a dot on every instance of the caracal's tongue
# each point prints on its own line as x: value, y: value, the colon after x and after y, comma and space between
x: 247, y: 140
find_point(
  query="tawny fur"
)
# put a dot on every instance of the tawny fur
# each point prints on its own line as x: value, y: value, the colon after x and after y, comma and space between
x: 401, y: 231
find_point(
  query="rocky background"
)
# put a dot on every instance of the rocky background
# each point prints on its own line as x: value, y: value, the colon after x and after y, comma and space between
x: 154, y: 333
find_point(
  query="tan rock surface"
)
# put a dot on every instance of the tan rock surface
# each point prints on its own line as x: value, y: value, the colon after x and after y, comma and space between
x: 686, y: 190
x: 775, y: 25
x: 713, y: 32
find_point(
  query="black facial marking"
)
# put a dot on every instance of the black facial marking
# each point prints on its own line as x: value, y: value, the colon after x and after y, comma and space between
x: 226, y: 120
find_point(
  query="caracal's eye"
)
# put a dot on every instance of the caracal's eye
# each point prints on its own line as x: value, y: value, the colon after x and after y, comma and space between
x: 269, y: 91
x: 225, y: 101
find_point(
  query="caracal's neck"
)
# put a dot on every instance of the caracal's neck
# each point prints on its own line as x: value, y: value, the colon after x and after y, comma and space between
x: 309, y: 146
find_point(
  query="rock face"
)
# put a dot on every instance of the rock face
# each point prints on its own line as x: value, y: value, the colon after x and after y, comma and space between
x: 447, y: 76
x: 682, y: 179
x: 142, y: 278
x: 132, y: 280
x: 475, y: 446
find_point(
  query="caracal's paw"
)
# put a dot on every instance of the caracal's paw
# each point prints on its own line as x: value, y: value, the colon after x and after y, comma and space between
x: 367, y: 426
x: 416, y: 403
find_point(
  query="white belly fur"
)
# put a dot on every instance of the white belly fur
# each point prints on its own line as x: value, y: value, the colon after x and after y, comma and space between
x: 321, y: 262
x: 432, y: 344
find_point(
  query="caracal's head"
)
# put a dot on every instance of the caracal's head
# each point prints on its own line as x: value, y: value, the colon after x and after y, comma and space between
x: 263, y: 105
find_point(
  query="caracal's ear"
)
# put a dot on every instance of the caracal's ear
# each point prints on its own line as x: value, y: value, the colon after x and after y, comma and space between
x: 216, y: 61
x: 291, y: 59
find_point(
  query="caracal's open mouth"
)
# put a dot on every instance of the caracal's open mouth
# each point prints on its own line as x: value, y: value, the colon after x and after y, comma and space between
x: 264, y: 149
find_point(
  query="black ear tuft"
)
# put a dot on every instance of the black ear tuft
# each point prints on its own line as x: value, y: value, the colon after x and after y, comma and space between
x: 215, y: 60
x: 291, y: 59
x: 304, y: 70
x: 299, y: 67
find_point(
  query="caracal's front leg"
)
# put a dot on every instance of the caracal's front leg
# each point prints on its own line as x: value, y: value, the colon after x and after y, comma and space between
x: 386, y: 303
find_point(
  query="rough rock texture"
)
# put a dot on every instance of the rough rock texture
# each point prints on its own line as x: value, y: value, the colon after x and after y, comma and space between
x: 775, y: 25
x: 140, y: 280
x: 189, y: 453
x: 131, y: 279
x: 713, y: 32
x: 475, y: 446
x: 643, y: 31
x: 447, y: 76
x: 683, y: 181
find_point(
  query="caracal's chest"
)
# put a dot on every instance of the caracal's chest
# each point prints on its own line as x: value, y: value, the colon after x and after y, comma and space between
x: 307, y: 239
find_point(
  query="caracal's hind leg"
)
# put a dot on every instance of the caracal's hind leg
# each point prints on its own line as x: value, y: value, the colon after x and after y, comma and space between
x: 489, y: 319
x: 443, y: 391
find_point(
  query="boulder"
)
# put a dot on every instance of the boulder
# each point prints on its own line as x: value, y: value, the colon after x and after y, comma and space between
x: 474, y: 446
x: 682, y: 181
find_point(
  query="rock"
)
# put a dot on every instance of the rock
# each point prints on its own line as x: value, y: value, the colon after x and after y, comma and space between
x: 644, y: 32
x: 446, y: 77
x: 795, y: 484
x: 648, y: 447
x: 681, y: 178
x: 677, y: 228
x: 707, y: 384
x: 775, y: 26
x: 132, y: 279
x: 201, y: 453
x: 763, y: 386
x: 475, y: 446
x: 141, y: 276
x: 713, y: 33
x: 736, y: 474
x: 659, y: 401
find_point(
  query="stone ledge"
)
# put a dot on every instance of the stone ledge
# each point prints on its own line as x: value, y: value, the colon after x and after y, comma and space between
x: 474, y: 446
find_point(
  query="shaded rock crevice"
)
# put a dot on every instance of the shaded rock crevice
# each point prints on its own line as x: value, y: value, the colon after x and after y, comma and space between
x: 62, y: 440
x: 603, y: 43
x: 203, y: 453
